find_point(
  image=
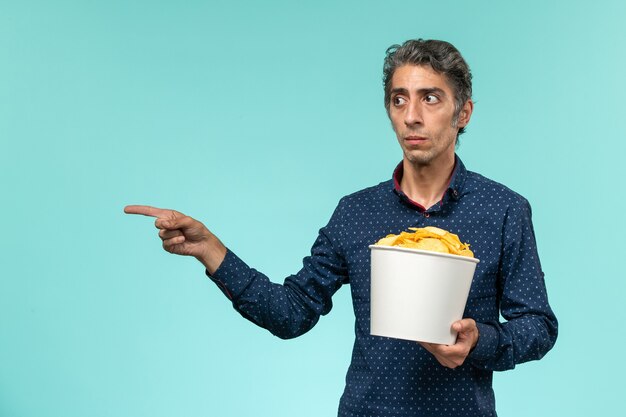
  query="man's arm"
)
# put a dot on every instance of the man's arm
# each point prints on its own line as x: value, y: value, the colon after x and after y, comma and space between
x: 287, y: 310
x: 530, y: 329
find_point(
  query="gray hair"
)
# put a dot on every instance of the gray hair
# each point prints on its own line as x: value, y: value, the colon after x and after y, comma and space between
x: 442, y: 57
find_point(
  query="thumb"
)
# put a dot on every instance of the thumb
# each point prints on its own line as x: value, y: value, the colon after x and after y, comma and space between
x: 463, y: 325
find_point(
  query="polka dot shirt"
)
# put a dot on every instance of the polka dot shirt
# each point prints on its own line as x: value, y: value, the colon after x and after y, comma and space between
x: 393, y: 377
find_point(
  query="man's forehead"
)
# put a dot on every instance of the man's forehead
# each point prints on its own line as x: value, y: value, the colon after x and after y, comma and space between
x: 411, y: 76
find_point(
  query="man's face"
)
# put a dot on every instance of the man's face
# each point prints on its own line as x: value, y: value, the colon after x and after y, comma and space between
x: 422, y: 114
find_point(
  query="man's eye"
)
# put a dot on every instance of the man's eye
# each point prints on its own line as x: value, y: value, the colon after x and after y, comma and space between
x: 398, y: 101
x: 431, y: 98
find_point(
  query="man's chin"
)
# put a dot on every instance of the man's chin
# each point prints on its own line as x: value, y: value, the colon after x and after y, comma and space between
x: 418, y: 157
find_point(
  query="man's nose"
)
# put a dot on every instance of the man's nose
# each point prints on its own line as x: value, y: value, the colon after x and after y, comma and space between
x: 413, y: 114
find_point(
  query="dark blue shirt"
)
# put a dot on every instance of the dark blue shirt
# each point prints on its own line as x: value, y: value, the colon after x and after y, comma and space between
x: 392, y: 377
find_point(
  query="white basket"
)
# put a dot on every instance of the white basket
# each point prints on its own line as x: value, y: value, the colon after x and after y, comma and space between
x: 417, y: 294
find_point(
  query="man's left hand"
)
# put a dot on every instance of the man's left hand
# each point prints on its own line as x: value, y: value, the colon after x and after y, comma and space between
x: 454, y: 355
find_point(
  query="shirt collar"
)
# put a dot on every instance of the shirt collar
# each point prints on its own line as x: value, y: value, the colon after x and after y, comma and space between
x: 453, y: 191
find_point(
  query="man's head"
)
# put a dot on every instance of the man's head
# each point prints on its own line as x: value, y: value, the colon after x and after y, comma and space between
x: 442, y: 57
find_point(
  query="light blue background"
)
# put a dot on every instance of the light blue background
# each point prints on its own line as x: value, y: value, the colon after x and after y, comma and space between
x: 256, y: 117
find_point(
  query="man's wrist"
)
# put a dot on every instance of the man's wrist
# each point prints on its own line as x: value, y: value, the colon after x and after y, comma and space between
x: 486, y: 344
x: 213, y: 256
x: 475, y: 340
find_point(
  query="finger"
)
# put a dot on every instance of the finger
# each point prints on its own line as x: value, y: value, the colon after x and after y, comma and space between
x: 435, y: 348
x: 442, y: 353
x: 168, y: 234
x: 444, y: 361
x: 146, y: 211
x: 445, y: 351
x: 173, y: 223
x: 427, y: 346
x: 169, y: 244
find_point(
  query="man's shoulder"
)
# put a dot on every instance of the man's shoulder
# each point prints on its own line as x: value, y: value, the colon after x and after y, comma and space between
x: 367, y: 202
x: 375, y: 192
x: 483, y: 187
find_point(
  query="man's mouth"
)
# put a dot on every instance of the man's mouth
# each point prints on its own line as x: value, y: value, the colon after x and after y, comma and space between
x: 415, y: 140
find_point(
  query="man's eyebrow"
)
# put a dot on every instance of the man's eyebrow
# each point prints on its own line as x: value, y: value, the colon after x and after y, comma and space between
x: 399, y: 90
x: 421, y: 91
x: 429, y: 90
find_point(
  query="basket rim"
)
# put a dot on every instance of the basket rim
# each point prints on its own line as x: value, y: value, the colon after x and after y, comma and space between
x: 425, y: 252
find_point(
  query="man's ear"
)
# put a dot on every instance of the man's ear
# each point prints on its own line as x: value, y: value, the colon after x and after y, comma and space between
x: 465, y: 114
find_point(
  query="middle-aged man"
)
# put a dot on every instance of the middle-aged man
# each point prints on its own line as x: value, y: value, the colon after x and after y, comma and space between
x: 428, y: 99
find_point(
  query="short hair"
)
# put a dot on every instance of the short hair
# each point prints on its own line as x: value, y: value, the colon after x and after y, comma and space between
x: 442, y: 57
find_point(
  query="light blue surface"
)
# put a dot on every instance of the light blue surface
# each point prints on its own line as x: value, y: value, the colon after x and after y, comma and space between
x: 256, y: 117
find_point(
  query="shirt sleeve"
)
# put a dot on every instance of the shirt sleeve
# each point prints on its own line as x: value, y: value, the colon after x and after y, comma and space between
x: 531, y: 328
x: 290, y: 309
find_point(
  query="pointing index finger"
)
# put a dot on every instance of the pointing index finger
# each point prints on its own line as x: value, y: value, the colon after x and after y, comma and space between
x: 147, y: 211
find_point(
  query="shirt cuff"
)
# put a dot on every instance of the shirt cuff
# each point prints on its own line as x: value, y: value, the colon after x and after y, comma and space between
x: 232, y: 276
x: 487, y: 345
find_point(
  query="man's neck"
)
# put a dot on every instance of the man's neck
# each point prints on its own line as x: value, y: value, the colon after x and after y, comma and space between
x: 426, y: 184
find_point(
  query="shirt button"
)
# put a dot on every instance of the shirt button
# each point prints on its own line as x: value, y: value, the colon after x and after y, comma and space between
x: 455, y: 192
x: 427, y: 215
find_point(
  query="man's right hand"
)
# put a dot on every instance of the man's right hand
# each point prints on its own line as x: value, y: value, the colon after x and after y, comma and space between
x: 183, y: 235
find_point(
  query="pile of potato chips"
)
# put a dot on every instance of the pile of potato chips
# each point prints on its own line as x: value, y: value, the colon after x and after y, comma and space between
x: 428, y: 238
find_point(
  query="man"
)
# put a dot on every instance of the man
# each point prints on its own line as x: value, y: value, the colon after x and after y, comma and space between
x: 428, y: 100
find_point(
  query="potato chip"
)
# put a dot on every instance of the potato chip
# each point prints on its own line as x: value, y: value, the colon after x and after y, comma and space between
x: 428, y: 238
x: 432, y: 244
x: 388, y: 240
